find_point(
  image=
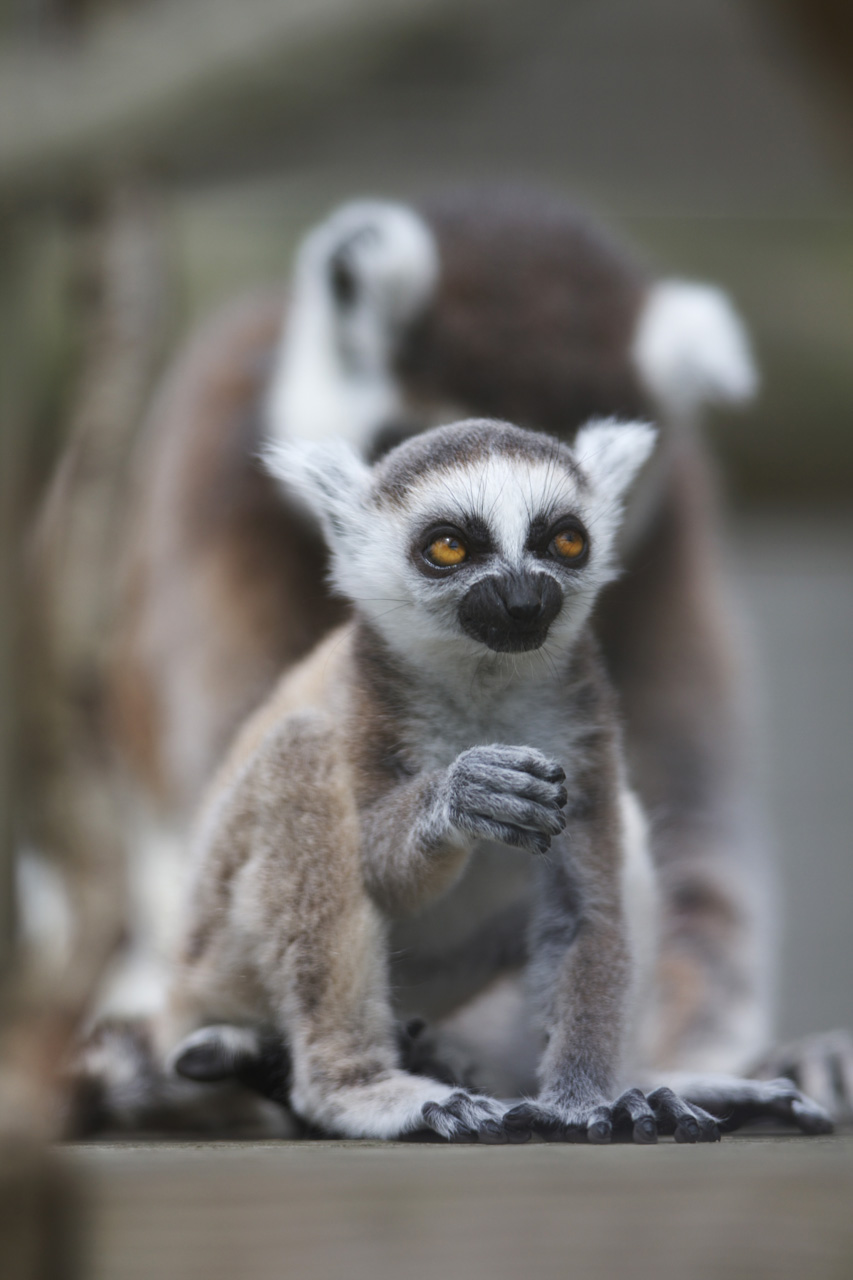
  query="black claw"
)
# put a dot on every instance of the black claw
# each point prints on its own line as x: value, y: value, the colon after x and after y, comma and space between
x: 687, y: 1130
x: 518, y: 1124
x: 600, y: 1131
x: 463, y: 1134
x: 492, y: 1134
x: 810, y: 1120
x: 645, y: 1131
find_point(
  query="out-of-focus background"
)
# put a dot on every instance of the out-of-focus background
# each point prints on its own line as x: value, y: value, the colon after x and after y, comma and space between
x: 159, y: 156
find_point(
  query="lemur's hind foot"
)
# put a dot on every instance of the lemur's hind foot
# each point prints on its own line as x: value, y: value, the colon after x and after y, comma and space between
x: 820, y: 1065
x: 116, y: 1084
x: 632, y: 1117
x: 396, y: 1104
x: 738, y: 1102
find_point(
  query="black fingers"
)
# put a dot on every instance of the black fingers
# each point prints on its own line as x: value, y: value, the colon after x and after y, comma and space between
x: 444, y: 1119
x: 599, y: 1126
x: 632, y: 1114
x: 488, y: 829
x: 633, y: 1117
x: 821, y: 1067
x: 782, y: 1100
x: 464, y: 1117
x: 686, y: 1122
x: 809, y: 1117
x: 528, y: 1120
x: 511, y: 794
x: 546, y: 819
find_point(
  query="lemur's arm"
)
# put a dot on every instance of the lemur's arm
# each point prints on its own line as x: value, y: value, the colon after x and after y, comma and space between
x: 417, y: 837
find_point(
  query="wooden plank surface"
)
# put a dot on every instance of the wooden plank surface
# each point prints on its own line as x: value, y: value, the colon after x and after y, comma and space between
x: 755, y: 1207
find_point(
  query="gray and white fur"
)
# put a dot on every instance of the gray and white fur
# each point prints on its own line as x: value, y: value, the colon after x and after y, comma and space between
x: 464, y: 704
x: 478, y: 303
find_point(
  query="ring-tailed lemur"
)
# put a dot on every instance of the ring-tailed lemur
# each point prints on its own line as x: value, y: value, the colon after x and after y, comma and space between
x: 398, y: 318
x: 465, y: 703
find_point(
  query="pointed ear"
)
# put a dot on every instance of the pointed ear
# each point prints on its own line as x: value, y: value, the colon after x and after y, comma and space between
x: 610, y: 453
x: 328, y: 476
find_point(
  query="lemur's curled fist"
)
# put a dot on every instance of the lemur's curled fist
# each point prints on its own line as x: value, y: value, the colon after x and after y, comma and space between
x: 463, y: 707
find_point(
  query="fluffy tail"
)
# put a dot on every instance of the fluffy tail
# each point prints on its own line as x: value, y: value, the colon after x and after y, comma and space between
x: 691, y: 348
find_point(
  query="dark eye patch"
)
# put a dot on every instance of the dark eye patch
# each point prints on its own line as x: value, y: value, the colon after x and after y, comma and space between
x: 537, y: 534
x: 543, y: 531
x: 471, y: 531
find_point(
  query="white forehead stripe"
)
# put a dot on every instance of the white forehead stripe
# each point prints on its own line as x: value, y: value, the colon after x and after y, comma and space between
x: 507, y: 494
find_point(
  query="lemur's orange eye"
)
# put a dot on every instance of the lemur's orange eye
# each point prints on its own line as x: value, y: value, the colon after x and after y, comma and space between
x: 446, y: 552
x: 569, y: 545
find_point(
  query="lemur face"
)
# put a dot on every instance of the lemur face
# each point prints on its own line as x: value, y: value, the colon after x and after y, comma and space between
x: 499, y: 548
x: 472, y: 538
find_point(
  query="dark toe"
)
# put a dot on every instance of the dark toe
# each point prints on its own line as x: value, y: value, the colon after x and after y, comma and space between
x: 645, y: 1131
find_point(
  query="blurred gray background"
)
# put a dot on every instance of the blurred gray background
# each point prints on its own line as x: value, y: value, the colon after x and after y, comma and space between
x: 717, y: 135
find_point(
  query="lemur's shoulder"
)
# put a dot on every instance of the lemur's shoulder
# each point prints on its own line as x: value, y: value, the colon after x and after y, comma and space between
x: 314, y: 685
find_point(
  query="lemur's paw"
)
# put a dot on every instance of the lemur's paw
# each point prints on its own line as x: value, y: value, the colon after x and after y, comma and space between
x: 511, y: 794
x: 820, y: 1065
x: 633, y: 1117
x: 465, y: 1117
x: 738, y: 1102
x: 254, y: 1057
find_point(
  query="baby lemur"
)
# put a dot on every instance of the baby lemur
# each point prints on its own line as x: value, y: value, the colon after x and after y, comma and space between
x: 464, y: 704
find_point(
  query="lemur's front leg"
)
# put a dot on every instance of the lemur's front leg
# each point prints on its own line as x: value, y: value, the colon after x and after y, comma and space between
x: 585, y: 975
x: 283, y: 935
x: 418, y: 836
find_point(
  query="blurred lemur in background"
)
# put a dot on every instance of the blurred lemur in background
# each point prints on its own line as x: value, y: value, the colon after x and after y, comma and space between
x: 397, y: 319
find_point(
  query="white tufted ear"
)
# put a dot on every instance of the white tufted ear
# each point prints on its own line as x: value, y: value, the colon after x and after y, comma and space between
x: 328, y: 476
x: 610, y: 453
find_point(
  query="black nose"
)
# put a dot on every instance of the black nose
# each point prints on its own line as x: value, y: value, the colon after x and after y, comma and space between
x: 523, y: 601
x: 511, y: 612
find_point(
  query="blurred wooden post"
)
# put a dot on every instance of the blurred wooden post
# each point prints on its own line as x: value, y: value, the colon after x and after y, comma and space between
x: 10, y: 450
x: 73, y: 575
x: 66, y: 579
x: 38, y: 1223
